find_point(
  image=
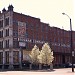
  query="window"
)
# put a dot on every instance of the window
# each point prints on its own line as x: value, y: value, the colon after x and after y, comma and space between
x: 26, y: 35
x: 1, y: 34
x: 37, y: 26
x: 7, y: 57
x: 15, y: 33
x: 7, y: 32
x: 1, y: 44
x: 7, y: 21
x: 58, y: 32
x: 27, y: 25
x: 15, y: 57
x: 7, y: 43
x: 46, y: 29
x: 42, y: 37
x: 46, y: 38
x: 1, y: 57
x: 1, y: 23
x: 15, y: 44
x: 42, y: 28
x: 15, y: 22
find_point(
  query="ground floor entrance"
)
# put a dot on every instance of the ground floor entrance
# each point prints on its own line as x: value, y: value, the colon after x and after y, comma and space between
x: 61, y: 59
x: 10, y: 58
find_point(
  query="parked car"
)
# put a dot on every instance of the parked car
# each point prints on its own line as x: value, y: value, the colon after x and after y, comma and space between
x: 70, y: 65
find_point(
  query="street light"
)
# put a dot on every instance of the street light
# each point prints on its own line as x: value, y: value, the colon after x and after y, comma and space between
x: 71, y: 42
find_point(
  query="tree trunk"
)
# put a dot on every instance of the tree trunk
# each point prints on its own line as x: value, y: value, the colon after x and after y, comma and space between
x: 46, y: 66
x: 51, y: 66
x: 40, y: 66
x: 30, y: 66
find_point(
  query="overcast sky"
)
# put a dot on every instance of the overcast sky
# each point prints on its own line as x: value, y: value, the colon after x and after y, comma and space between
x: 49, y: 11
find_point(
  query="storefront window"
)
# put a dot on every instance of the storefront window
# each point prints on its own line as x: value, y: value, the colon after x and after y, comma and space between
x: 16, y: 57
x: 7, y: 57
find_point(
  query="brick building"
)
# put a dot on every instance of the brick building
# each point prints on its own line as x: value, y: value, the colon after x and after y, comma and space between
x: 19, y: 33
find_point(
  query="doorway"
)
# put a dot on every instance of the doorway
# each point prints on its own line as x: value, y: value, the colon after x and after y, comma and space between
x: 63, y: 59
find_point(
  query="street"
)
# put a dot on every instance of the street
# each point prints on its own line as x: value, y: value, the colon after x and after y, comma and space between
x: 63, y: 71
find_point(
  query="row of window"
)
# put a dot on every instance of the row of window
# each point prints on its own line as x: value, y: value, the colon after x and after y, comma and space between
x: 6, y: 34
x: 15, y: 57
x: 6, y: 22
x: 36, y: 27
x: 6, y: 44
x: 15, y: 44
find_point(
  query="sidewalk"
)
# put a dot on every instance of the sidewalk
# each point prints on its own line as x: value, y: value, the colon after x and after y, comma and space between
x: 63, y: 71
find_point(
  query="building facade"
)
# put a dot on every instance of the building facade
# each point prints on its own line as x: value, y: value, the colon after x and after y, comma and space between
x: 19, y: 33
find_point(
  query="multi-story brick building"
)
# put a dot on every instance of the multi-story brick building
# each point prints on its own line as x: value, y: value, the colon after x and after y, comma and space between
x: 19, y: 33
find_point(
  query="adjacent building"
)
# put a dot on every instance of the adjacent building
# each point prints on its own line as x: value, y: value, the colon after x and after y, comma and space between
x: 20, y: 32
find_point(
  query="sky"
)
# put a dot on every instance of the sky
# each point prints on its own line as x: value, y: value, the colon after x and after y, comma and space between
x: 49, y: 11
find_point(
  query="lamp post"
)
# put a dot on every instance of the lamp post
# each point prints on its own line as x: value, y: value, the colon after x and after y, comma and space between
x: 71, y: 42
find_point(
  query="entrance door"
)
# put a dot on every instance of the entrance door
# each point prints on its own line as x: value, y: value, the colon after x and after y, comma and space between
x: 63, y: 59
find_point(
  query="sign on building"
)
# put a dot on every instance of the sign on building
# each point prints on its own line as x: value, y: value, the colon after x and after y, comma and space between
x: 22, y: 44
x: 21, y: 29
x: 21, y: 33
